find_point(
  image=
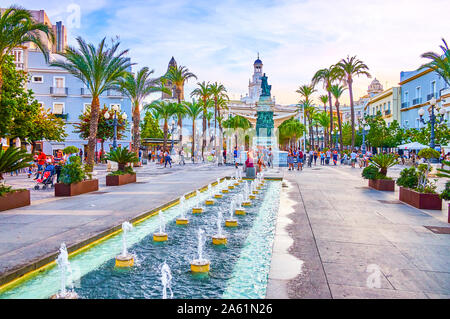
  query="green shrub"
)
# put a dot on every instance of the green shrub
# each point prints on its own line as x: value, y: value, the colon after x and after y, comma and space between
x: 122, y: 156
x: 5, y: 189
x: 13, y: 159
x: 444, y: 172
x: 429, y: 153
x: 383, y: 162
x: 409, y: 178
x: 445, y: 195
x: 370, y: 172
x: 70, y: 150
x: 127, y: 170
x: 73, y: 171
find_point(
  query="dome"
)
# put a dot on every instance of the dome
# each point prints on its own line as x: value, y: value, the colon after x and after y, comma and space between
x: 375, y: 87
x: 258, y: 61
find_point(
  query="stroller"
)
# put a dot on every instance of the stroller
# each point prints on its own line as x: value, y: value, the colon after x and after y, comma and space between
x: 47, y: 178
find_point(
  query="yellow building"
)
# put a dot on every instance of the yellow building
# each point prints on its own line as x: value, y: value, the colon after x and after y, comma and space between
x: 387, y: 103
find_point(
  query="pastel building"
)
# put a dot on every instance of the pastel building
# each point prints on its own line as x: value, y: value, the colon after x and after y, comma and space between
x: 386, y: 103
x: 417, y: 89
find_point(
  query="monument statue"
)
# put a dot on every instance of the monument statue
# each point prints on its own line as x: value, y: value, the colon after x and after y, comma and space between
x: 265, y: 87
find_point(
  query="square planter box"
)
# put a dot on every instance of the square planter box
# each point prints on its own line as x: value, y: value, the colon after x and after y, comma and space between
x: 118, y: 180
x: 420, y: 200
x: 382, y: 184
x: 76, y: 188
x: 15, y: 200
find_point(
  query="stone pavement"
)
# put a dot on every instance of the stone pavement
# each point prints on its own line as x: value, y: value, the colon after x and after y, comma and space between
x: 31, y: 233
x: 353, y: 242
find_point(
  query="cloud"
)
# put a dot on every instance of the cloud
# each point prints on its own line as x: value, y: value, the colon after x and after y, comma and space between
x: 218, y: 40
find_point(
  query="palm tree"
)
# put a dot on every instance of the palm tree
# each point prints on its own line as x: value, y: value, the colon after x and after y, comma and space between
x: 324, y: 121
x: 178, y: 76
x: 137, y: 87
x: 324, y: 100
x: 217, y: 90
x: 306, y: 91
x: 347, y: 69
x: 17, y: 28
x: 337, y: 91
x: 180, y: 112
x: 100, y: 69
x: 235, y: 123
x: 291, y: 129
x: 193, y: 110
x: 439, y: 63
x: 166, y: 110
x: 204, y: 94
x: 209, y: 117
x: 327, y: 76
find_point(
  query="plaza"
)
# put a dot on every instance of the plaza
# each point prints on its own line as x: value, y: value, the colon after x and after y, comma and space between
x: 322, y: 178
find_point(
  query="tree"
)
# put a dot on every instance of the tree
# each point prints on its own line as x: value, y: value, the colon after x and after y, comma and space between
x: 13, y: 159
x: 439, y: 63
x: 217, y: 91
x: 324, y: 121
x: 105, y: 131
x: 290, y: 130
x: 166, y: 110
x: 21, y: 115
x: 179, y: 76
x: 327, y: 76
x: 17, y: 28
x: 193, y: 110
x: 347, y: 69
x: 150, y: 127
x: 337, y: 91
x: 324, y: 100
x: 235, y: 123
x: 423, y: 135
x: 100, y: 69
x: 204, y: 94
x: 137, y: 87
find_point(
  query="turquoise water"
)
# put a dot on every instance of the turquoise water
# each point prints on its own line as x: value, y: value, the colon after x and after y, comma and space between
x: 238, y: 270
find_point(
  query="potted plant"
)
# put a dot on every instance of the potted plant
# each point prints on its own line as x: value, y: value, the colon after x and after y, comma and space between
x: 376, y: 172
x: 445, y: 195
x: 417, y: 190
x: 124, y: 173
x: 13, y: 159
x: 74, y: 180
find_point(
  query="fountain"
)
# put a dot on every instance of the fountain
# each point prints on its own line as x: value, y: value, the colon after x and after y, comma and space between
x: 239, y: 210
x: 236, y: 178
x: 218, y: 195
x: 219, y: 238
x: 246, y: 201
x: 231, y: 222
x: 230, y: 183
x: 182, y: 220
x: 197, y: 209
x: 125, y: 259
x: 253, y: 188
x: 252, y: 194
x: 209, y: 201
x: 166, y: 280
x: 200, y: 265
x: 66, y: 275
x: 161, y: 235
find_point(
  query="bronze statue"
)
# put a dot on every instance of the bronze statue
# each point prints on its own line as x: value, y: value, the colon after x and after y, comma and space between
x: 265, y: 87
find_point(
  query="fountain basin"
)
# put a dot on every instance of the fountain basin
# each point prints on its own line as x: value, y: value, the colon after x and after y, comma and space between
x: 67, y: 295
x: 255, y: 192
x: 125, y: 261
x: 225, y: 191
x: 209, y: 202
x: 160, y: 237
x: 199, y: 210
x: 240, y: 212
x: 218, y: 196
x: 231, y: 223
x: 246, y: 203
x: 182, y: 221
x: 236, y: 183
x: 200, y: 266
x: 231, y: 187
x: 219, y: 240
x: 252, y: 197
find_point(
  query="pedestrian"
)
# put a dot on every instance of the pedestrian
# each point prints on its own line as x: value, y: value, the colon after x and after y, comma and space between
x: 322, y: 158
x: 167, y: 159
x: 182, y: 157
x: 315, y: 157
x: 300, y: 160
x: 335, y: 157
x: 328, y: 157
x: 290, y: 160
x: 353, y: 158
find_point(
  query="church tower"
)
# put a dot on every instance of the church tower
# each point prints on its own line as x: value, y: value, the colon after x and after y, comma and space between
x: 169, y: 85
x: 254, y: 87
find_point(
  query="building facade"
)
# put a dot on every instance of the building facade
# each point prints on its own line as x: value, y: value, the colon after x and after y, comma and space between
x: 386, y: 103
x: 417, y: 89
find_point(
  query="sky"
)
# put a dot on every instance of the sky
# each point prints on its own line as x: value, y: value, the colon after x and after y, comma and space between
x: 219, y: 40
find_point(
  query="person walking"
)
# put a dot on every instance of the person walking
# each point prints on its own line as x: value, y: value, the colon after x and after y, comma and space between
x: 322, y: 158
x: 328, y: 157
x: 316, y: 154
x: 182, y: 157
x: 299, y: 160
x: 353, y: 158
x: 310, y: 158
x: 167, y: 159
x: 290, y: 160
x: 335, y: 157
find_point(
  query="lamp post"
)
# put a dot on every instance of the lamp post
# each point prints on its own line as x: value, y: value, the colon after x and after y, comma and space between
x: 433, y: 120
x: 114, y: 122
x: 365, y: 129
x: 173, y: 129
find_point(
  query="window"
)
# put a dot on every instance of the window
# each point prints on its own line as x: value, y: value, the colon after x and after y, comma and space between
x: 384, y: 107
x: 418, y: 92
x: 433, y: 87
x: 389, y: 106
x: 58, y: 108
x: 406, y: 97
x: 37, y: 79
x: 18, y: 55
x: 406, y: 123
x: 417, y: 123
x: 59, y: 82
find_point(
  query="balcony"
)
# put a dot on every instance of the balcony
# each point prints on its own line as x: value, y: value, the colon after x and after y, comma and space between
x: 405, y: 104
x: 114, y: 94
x: 56, y: 91
x: 431, y: 95
x: 65, y: 117
x: 417, y: 101
x: 85, y: 92
x: 387, y: 112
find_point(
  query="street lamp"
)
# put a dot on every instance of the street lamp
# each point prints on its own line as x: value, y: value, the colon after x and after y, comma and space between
x: 433, y: 120
x: 114, y: 122
x: 366, y: 128
x: 172, y: 131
